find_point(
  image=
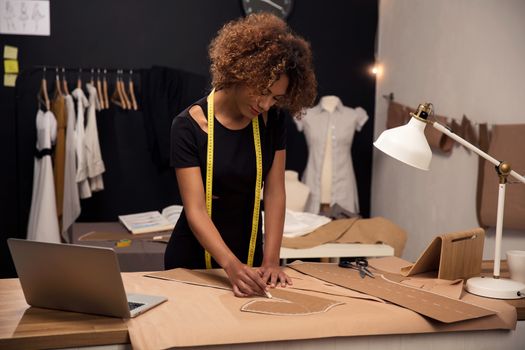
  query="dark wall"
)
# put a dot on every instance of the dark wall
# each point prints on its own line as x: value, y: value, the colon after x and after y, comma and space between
x: 139, y: 34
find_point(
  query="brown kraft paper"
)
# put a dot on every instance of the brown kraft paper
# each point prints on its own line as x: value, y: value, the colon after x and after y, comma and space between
x: 432, y: 305
x: 282, y: 302
x: 196, y: 316
x: 355, y: 230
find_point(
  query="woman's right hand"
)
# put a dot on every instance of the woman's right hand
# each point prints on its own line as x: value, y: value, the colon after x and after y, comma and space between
x: 245, y: 280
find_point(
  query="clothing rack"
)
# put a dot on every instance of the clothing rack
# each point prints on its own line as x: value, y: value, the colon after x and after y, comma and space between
x: 84, y: 69
x: 98, y: 77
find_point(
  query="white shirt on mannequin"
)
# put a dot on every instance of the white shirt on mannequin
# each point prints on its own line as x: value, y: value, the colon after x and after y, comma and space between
x: 329, y: 103
x: 331, y: 120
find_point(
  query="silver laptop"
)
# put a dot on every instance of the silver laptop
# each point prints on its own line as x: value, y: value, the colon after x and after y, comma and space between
x: 75, y: 278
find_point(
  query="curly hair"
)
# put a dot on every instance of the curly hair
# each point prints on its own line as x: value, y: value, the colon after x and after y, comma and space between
x: 256, y: 51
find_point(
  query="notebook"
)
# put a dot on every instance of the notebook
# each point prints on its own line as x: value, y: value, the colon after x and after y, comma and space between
x: 75, y: 278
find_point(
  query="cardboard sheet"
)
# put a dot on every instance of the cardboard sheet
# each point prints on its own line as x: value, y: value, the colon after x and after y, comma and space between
x: 354, y: 230
x: 426, y: 303
x: 216, y: 278
x: 451, y: 289
x: 196, y: 316
x: 283, y: 302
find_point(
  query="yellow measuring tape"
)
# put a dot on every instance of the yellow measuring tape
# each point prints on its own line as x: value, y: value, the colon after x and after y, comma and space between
x: 258, y: 180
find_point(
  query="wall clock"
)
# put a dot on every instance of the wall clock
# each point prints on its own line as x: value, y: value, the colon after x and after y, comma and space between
x: 280, y: 8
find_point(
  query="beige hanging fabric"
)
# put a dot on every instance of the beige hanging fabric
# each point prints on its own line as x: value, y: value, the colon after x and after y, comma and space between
x: 354, y: 230
x: 58, y: 107
x: 506, y: 144
x: 399, y: 114
x: 484, y: 139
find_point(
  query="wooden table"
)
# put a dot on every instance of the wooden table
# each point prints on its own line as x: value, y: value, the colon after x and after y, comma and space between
x: 23, y: 327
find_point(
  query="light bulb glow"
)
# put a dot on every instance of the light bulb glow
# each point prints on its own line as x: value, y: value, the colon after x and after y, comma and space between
x: 377, y: 70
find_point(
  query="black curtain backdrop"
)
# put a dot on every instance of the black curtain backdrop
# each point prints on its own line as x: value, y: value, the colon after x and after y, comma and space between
x: 139, y: 34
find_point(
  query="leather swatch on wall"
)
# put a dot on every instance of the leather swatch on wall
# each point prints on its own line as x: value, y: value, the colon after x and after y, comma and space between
x: 398, y: 115
x: 506, y: 144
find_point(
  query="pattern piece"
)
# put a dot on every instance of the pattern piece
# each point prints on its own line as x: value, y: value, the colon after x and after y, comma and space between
x: 432, y: 305
x: 282, y: 302
x: 289, y: 303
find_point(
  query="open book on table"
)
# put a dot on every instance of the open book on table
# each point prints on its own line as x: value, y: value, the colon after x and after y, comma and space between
x: 152, y: 221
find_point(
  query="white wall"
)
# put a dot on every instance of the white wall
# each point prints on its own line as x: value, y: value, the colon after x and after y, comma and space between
x: 466, y: 57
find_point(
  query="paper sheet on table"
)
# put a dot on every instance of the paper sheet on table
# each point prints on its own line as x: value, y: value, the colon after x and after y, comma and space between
x: 195, y: 316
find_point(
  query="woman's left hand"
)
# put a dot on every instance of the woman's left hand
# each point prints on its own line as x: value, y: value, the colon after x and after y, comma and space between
x: 273, y: 274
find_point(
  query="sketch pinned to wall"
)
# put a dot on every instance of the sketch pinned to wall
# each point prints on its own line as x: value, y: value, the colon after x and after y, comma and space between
x: 25, y: 17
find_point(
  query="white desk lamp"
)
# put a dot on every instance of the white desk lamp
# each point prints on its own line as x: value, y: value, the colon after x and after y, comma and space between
x: 408, y: 144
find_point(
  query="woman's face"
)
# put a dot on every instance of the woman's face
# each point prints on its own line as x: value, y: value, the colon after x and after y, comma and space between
x: 251, y: 103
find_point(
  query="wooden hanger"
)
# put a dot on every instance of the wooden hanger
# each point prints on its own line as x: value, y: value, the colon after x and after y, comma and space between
x: 58, y: 89
x: 105, y: 89
x: 123, y: 91
x: 64, y: 82
x: 132, y: 91
x: 99, y: 91
x: 92, y: 77
x: 79, y: 79
x: 42, y: 96
x: 117, y: 97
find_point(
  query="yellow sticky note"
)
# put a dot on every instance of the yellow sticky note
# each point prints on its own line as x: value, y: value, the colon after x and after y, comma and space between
x: 10, y: 66
x: 123, y: 243
x: 10, y: 52
x: 10, y: 80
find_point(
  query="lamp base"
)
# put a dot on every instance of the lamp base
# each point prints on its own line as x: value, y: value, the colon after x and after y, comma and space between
x: 498, y: 288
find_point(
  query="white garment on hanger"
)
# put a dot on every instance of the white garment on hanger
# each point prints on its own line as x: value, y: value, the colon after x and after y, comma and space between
x: 342, y: 122
x: 82, y: 171
x: 71, y: 205
x: 43, y: 219
x: 95, y: 164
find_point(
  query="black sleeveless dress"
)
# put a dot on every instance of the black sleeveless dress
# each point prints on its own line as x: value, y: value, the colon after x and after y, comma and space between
x: 234, y: 177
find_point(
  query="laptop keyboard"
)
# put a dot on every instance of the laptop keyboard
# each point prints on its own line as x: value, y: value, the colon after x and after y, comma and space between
x: 133, y: 305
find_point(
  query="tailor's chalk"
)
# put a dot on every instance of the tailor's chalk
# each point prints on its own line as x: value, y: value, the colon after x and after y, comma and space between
x: 268, y: 295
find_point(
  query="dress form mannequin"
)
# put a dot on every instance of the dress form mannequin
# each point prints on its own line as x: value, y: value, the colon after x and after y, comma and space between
x: 329, y: 103
x: 329, y: 129
x: 296, y: 192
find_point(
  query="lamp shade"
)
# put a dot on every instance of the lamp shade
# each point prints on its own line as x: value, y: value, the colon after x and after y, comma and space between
x: 407, y: 144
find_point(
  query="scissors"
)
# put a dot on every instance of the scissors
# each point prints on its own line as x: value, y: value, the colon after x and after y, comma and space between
x: 359, y: 264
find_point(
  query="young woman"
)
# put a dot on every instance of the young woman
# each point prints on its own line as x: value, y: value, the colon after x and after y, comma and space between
x: 228, y: 145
